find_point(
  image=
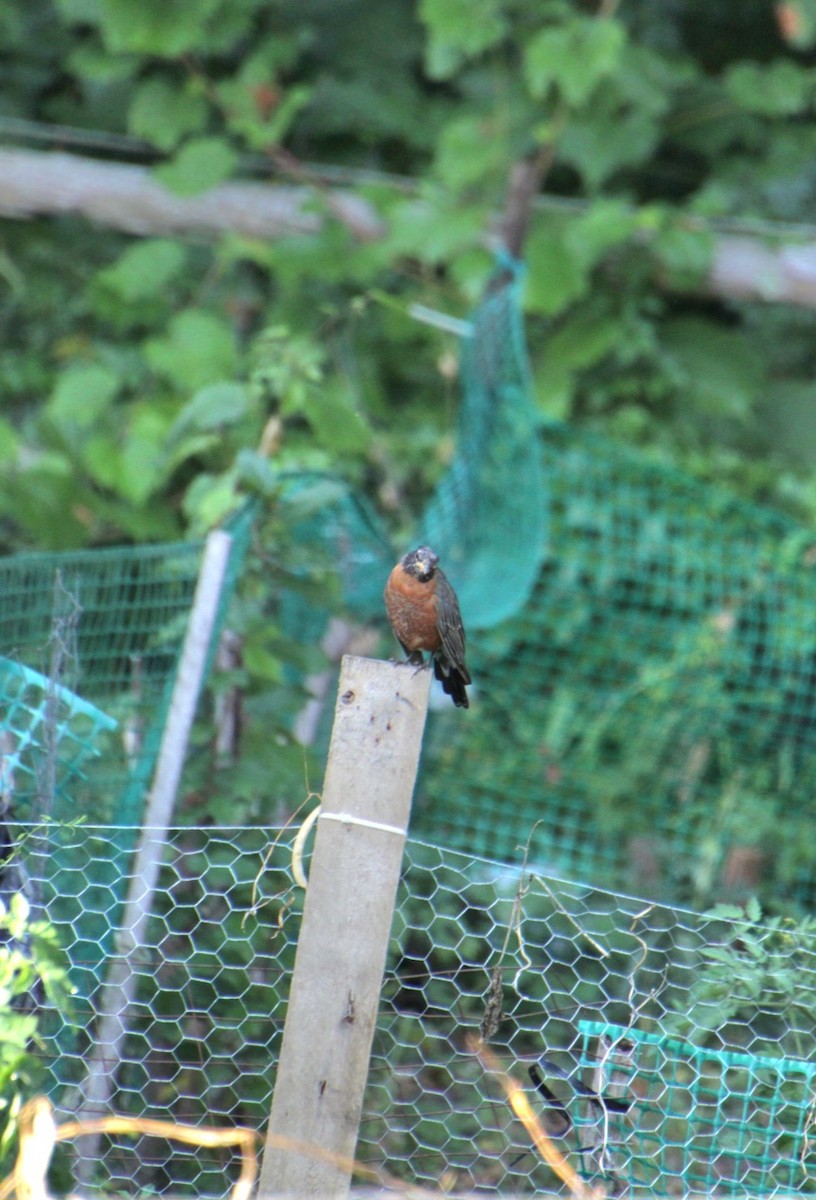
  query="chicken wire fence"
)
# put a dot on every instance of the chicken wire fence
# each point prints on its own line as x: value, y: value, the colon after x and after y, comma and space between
x: 661, y: 1049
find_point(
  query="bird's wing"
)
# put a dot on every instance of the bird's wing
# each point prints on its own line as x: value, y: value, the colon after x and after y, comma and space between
x: 449, y: 623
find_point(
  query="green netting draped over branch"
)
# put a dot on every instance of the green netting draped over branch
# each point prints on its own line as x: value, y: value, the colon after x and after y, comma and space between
x: 643, y: 649
x: 488, y: 518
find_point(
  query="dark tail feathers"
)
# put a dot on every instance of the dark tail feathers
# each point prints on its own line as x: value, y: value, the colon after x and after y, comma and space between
x: 453, y: 681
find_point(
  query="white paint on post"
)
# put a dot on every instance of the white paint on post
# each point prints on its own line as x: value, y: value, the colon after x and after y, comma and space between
x: 93, y: 1097
x: 337, y: 978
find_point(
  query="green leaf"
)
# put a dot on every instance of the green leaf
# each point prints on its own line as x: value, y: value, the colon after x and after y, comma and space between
x: 582, y: 340
x: 136, y: 463
x: 604, y: 224
x: 261, y: 123
x: 435, y: 228
x: 101, y: 459
x: 199, y: 348
x: 202, y: 163
x: 557, y: 277
x: 288, y: 368
x: 563, y: 252
x: 93, y: 63
x: 780, y: 88
x: 143, y: 454
x: 717, y: 369
x: 209, y: 499
x: 573, y: 57
x: 17, y: 915
x: 458, y: 30
x: 85, y: 12
x: 255, y: 472
x: 145, y: 269
x: 602, y: 139
x: 166, y: 28
x: 337, y: 423
x: 82, y: 393
x: 211, y: 408
x: 468, y: 150
x: 164, y: 114
x: 9, y: 442
x: 684, y: 253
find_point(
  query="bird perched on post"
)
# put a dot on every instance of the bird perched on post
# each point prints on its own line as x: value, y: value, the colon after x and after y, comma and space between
x: 424, y: 614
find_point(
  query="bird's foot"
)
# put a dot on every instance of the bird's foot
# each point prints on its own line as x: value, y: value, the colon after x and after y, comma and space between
x: 413, y: 660
x: 423, y: 666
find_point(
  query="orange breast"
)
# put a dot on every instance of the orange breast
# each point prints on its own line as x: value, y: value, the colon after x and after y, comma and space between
x: 411, y: 608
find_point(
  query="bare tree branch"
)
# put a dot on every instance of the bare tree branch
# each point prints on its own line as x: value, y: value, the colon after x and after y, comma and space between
x: 128, y: 197
x: 746, y: 268
x: 526, y: 177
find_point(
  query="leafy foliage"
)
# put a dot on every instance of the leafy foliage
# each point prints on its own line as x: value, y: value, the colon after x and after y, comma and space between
x: 650, y: 118
x: 147, y: 384
x: 751, y: 977
x: 31, y: 967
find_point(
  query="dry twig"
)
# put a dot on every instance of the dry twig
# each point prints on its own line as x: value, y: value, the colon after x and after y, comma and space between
x: 543, y: 1143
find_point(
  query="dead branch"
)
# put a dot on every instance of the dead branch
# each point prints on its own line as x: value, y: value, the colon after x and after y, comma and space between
x: 127, y: 197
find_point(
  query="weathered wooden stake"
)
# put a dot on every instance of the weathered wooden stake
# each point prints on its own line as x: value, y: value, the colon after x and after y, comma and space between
x: 355, y: 867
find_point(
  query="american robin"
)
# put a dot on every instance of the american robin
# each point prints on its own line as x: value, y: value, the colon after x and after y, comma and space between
x: 424, y: 614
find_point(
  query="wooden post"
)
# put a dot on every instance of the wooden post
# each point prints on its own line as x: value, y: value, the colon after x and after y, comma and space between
x: 334, y: 997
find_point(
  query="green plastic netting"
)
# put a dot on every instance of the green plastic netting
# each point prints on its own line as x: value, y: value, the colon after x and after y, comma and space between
x: 643, y: 649
x: 93, y: 640
x: 488, y: 517
x: 39, y: 716
x: 717, y: 1120
x: 105, y: 628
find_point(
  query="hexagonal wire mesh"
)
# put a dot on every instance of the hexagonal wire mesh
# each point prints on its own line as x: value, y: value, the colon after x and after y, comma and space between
x: 662, y: 1050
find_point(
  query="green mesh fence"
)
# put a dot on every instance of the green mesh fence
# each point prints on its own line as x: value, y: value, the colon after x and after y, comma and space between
x: 653, y: 704
x: 488, y: 518
x: 643, y: 649
x: 718, y: 1121
x: 79, y: 735
x: 701, y: 1028
x: 48, y: 736
x: 106, y: 626
x: 45, y: 730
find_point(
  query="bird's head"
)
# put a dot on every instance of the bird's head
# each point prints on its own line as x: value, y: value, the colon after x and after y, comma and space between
x: 421, y: 563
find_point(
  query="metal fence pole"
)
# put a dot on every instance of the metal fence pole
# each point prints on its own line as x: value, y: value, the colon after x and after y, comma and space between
x: 93, y: 1097
x: 334, y: 998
